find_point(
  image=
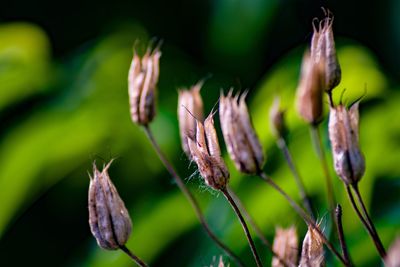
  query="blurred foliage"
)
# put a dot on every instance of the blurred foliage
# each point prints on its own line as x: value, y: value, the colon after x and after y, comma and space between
x: 59, y: 115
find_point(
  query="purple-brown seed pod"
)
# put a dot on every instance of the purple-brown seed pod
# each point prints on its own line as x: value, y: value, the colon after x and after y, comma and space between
x: 392, y: 258
x: 277, y: 119
x: 142, y: 82
x: 348, y: 160
x: 190, y: 108
x: 205, y: 151
x: 309, y: 98
x: 109, y: 219
x: 240, y: 138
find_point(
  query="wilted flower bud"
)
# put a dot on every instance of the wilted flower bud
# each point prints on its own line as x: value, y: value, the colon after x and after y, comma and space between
x: 286, y: 247
x: 241, y: 140
x: 312, y: 253
x: 393, y: 256
x: 142, y: 81
x: 343, y: 133
x: 323, y: 48
x: 310, y: 90
x: 277, y: 119
x: 190, y: 108
x: 108, y: 217
x: 205, y: 151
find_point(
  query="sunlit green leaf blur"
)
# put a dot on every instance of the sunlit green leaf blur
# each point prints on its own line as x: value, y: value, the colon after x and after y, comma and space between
x: 64, y: 104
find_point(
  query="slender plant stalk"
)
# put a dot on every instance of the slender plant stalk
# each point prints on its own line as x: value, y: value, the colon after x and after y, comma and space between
x: 317, y: 140
x: 254, y: 225
x: 244, y: 226
x: 346, y: 255
x: 135, y: 258
x: 189, y: 196
x: 296, y: 175
x: 368, y: 222
x: 307, y: 218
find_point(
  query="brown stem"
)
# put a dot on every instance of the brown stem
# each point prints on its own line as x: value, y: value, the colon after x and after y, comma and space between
x: 375, y: 237
x: 244, y: 226
x: 288, y: 157
x: 338, y: 212
x: 307, y: 218
x: 253, y: 224
x: 189, y: 196
x: 135, y: 258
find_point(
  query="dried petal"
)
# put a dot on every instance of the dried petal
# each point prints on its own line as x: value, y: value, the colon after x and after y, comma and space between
x: 393, y: 255
x: 312, y: 253
x: 142, y: 82
x: 109, y: 220
x: 348, y: 160
x: 241, y: 140
x: 286, y: 247
x: 190, y: 108
x: 204, y: 150
x: 310, y: 90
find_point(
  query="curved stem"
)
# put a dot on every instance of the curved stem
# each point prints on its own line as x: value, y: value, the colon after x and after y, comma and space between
x: 373, y: 233
x: 135, y: 258
x: 253, y: 224
x: 189, y: 196
x: 244, y: 226
x: 289, y: 159
x: 317, y: 140
x: 307, y: 218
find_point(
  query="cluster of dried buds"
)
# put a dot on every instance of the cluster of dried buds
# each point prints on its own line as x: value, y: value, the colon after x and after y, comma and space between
x: 286, y: 248
x: 142, y: 82
x: 108, y: 217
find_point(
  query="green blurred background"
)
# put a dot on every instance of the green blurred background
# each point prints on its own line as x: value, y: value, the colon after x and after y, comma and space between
x: 64, y: 103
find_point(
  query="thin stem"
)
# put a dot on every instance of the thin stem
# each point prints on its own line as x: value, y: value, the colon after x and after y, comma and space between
x: 307, y: 218
x: 296, y: 175
x: 244, y: 226
x: 338, y: 212
x: 253, y: 224
x: 189, y: 196
x: 317, y: 140
x: 370, y: 231
x: 135, y: 258
x: 375, y: 236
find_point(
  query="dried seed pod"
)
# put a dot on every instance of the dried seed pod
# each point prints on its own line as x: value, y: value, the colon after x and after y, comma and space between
x: 142, y: 82
x: 109, y: 219
x: 190, y: 108
x: 205, y: 151
x: 393, y: 255
x: 348, y: 160
x: 286, y: 247
x: 310, y: 90
x: 312, y: 253
x: 323, y: 48
x: 241, y: 140
x: 277, y: 119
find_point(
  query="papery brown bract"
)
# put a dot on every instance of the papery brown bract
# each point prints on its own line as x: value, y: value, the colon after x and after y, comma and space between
x: 309, y: 95
x: 348, y: 160
x: 190, y: 109
x: 205, y: 151
x: 312, y: 252
x: 323, y: 49
x: 142, y: 82
x: 240, y: 138
x: 286, y: 247
x: 109, y: 219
